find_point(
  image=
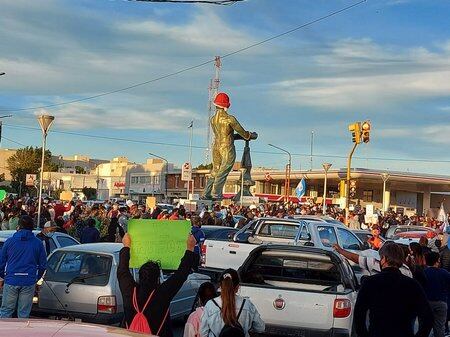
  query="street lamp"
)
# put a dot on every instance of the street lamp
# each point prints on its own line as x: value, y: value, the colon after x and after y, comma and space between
x: 45, y: 121
x: 242, y: 169
x: 287, y: 180
x: 385, y: 176
x: 326, y: 167
x: 167, y: 170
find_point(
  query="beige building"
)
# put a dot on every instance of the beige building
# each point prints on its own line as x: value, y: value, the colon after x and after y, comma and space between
x: 112, y: 177
x: 5, y: 154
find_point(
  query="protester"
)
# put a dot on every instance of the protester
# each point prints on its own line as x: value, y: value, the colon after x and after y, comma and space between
x: 153, y: 298
x: 392, y: 301
x: 416, y: 263
x: 206, y: 292
x: 369, y: 264
x: 375, y: 241
x: 437, y: 290
x: 198, y: 234
x: 45, y: 235
x: 22, y: 263
x: 90, y: 234
x: 423, y: 241
x: 230, y: 315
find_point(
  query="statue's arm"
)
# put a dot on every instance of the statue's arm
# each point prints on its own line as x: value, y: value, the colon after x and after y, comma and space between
x: 239, y: 129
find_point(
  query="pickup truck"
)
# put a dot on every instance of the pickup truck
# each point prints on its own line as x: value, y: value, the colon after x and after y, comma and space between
x: 300, y: 291
x: 219, y: 255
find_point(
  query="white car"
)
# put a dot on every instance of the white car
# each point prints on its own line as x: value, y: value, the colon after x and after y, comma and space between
x: 300, y: 291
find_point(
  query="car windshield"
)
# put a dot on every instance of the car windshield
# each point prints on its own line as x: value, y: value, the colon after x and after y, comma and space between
x: 79, y: 267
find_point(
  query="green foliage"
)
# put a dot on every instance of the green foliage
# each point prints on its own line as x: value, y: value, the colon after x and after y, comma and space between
x: 90, y: 193
x: 204, y: 167
x: 28, y: 161
x: 79, y: 170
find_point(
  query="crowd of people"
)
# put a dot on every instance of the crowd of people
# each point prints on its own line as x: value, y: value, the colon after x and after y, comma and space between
x: 411, y: 280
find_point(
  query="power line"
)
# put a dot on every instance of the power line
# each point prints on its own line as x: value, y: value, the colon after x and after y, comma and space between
x: 13, y: 141
x: 132, y: 86
x: 140, y: 141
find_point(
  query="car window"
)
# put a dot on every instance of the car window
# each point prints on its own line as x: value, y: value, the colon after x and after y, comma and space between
x: 65, y: 241
x: 304, y: 233
x: 79, y: 267
x: 52, y: 245
x: 327, y: 235
x: 347, y: 240
x: 285, y: 231
x: 224, y: 235
x: 267, y: 269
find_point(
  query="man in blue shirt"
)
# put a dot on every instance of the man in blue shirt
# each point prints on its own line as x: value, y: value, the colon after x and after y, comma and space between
x: 436, y: 289
x: 199, y: 236
x: 22, y: 263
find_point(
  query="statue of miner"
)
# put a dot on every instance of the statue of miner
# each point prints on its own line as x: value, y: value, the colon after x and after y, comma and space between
x: 224, y: 127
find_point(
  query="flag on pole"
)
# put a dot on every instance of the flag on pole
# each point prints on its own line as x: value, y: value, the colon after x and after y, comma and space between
x: 300, y: 190
x: 191, y: 125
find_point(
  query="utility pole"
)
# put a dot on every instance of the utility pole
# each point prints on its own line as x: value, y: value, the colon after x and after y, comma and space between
x: 213, y: 89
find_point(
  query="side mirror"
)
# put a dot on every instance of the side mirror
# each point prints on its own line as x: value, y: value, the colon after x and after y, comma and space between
x: 309, y: 244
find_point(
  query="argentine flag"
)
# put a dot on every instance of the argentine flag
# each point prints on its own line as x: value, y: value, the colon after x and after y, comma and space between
x: 300, y: 190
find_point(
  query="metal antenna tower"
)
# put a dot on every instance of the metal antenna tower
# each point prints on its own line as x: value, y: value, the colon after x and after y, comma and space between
x: 213, y: 89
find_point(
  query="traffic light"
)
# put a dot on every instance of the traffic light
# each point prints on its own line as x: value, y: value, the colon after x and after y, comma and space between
x: 365, y: 135
x: 352, y: 189
x: 355, y: 129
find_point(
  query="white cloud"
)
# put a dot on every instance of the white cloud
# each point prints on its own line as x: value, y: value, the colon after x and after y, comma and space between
x: 360, y: 73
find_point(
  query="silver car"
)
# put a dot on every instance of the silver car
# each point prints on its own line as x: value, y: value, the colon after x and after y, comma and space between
x: 81, y: 283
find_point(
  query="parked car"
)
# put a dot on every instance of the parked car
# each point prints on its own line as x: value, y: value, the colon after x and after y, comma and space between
x: 300, y: 291
x: 81, y: 283
x: 219, y: 255
x: 57, y: 240
x: 47, y: 328
x: 395, y: 230
x: 220, y: 233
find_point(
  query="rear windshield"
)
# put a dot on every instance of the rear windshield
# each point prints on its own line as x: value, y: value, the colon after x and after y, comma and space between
x: 79, y: 267
x: 313, y: 272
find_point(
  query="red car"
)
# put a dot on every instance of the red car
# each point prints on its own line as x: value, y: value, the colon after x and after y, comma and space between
x: 51, y: 328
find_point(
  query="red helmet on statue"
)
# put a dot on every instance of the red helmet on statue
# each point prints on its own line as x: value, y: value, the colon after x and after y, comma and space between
x: 222, y: 100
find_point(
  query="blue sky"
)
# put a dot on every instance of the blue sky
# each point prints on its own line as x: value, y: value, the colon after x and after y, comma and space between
x: 386, y: 60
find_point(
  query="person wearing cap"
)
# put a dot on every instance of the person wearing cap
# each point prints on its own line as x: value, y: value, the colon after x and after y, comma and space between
x: 223, y: 126
x: 22, y: 263
x: 45, y: 234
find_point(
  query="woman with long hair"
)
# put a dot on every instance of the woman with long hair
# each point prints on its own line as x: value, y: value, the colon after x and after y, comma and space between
x: 230, y: 311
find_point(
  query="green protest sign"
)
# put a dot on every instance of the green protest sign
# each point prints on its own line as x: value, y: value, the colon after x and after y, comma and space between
x: 158, y: 240
x: 2, y: 195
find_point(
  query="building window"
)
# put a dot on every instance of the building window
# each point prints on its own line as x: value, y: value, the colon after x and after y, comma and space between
x: 134, y: 180
x: 368, y: 196
x: 202, y: 182
x: 177, y: 180
x: 156, y: 180
x: 144, y: 180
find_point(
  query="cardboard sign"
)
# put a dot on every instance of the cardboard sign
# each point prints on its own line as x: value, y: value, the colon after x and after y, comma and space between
x: 65, y: 196
x: 2, y: 195
x: 30, y: 179
x: 150, y: 202
x: 158, y: 240
x: 369, y: 210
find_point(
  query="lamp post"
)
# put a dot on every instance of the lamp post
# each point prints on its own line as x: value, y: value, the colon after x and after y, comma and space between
x: 242, y: 169
x: 326, y: 167
x: 45, y: 121
x: 287, y: 180
x: 385, y: 176
x: 167, y: 170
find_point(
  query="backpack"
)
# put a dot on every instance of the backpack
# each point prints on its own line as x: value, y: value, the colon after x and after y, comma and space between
x: 140, y: 323
x: 230, y: 330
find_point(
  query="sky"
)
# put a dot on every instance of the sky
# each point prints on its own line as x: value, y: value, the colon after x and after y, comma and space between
x: 387, y: 61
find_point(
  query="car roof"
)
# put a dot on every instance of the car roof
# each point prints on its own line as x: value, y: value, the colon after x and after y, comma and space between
x: 217, y: 227
x: 56, y: 328
x: 101, y: 247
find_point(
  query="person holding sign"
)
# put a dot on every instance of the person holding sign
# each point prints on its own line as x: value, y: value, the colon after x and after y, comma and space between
x: 152, y: 298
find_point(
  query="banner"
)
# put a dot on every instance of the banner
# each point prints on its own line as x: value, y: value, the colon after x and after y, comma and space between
x: 158, y: 240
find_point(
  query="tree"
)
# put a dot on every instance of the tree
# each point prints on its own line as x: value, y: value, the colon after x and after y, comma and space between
x: 79, y: 170
x: 28, y: 161
x: 204, y: 167
x: 90, y: 193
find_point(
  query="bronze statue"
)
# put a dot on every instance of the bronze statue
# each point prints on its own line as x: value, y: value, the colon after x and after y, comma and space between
x: 223, y: 151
